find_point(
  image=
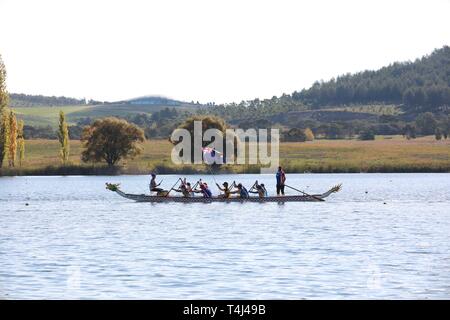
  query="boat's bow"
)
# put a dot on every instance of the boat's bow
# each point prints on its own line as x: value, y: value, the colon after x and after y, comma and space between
x: 336, y: 188
x: 115, y: 188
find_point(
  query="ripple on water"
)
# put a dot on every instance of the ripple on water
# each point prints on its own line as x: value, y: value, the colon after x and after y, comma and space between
x: 76, y: 240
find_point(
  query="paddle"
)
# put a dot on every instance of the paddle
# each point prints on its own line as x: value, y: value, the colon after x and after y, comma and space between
x: 195, y: 185
x: 309, y: 195
x: 193, y: 188
x: 253, y: 186
x: 173, y: 187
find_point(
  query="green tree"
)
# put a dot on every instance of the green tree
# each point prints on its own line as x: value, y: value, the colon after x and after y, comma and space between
x: 4, y: 98
x: 4, y: 136
x: 409, y: 131
x: 63, y: 137
x: 111, y: 140
x: 208, y: 122
x: 367, y: 135
x: 426, y: 123
x: 12, y: 140
x: 294, y: 135
x: 4, y: 123
x: 21, y: 142
x: 438, y: 134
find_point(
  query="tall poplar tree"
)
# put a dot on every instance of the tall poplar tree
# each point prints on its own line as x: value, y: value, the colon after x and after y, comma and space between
x: 12, y: 141
x: 21, y: 142
x: 63, y: 137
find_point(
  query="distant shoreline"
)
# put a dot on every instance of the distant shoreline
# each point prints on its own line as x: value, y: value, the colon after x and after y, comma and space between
x: 117, y: 171
x: 386, y: 154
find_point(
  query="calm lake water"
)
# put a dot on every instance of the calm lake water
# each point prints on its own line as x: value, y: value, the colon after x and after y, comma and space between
x: 382, y: 236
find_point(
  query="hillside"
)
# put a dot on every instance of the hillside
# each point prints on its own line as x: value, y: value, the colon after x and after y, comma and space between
x: 419, y: 86
x: 152, y: 100
x: 388, y: 101
x: 38, y: 110
x: 406, y: 88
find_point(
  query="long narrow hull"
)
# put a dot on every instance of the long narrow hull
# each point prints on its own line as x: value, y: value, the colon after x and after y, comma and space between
x: 290, y: 198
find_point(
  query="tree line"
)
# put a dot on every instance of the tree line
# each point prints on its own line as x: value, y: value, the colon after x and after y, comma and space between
x: 422, y: 85
x: 28, y: 100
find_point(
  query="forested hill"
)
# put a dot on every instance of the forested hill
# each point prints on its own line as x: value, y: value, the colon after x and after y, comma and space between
x: 28, y: 100
x: 422, y: 85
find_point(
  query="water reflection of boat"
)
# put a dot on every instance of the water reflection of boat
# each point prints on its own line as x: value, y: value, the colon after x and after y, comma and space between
x: 286, y: 198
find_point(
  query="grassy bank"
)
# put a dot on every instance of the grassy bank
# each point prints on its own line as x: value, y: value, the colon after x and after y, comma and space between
x: 386, y: 154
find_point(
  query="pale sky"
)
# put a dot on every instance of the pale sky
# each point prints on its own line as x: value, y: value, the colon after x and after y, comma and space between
x: 207, y: 50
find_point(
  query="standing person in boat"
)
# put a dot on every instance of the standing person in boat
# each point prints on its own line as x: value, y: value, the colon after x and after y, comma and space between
x: 154, y: 186
x: 281, y: 179
x: 226, y: 190
x: 242, y: 191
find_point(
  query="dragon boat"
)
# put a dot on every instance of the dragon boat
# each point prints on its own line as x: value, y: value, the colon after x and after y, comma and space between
x: 197, y: 199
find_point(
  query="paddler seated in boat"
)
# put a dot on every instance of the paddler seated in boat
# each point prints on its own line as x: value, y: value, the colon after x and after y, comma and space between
x: 189, y: 189
x: 185, y: 190
x: 242, y: 191
x: 259, y: 189
x: 154, y: 186
x: 204, y: 190
x: 225, y: 189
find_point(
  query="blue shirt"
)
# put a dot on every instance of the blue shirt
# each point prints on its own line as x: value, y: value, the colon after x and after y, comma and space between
x: 243, y: 193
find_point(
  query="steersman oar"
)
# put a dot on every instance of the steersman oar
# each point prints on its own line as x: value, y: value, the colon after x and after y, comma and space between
x: 309, y: 195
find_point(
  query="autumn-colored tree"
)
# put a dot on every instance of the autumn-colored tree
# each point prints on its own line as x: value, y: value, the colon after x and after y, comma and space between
x: 110, y: 140
x: 63, y: 137
x: 21, y: 142
x: 12, y: 141
x: 309, y: 135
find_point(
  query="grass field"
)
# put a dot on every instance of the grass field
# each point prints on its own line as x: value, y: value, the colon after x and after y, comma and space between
x: 43, y: 116
x: 386, y: 154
